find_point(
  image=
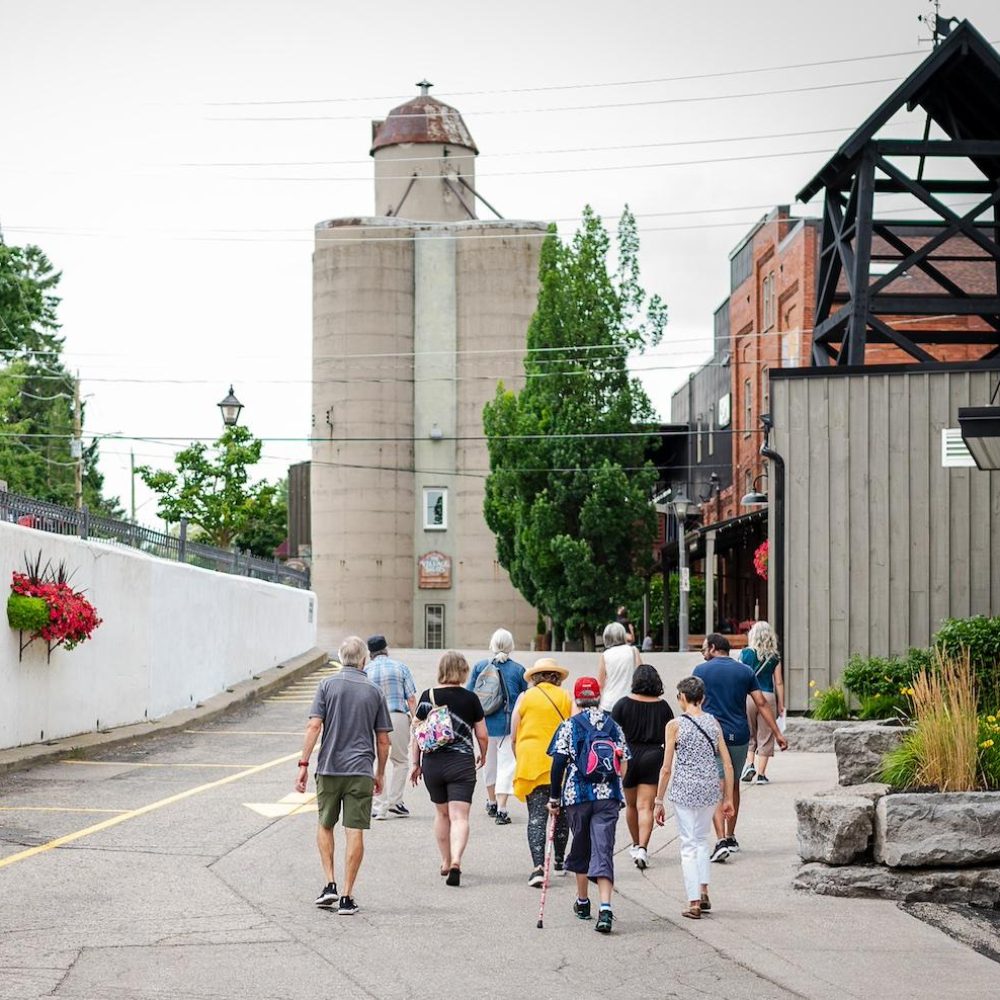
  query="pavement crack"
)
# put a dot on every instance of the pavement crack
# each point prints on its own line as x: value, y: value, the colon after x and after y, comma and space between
x: 62, y: 979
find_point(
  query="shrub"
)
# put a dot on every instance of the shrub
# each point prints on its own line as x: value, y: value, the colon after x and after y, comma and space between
x: 981, y: 637
x: 27, y: 614
x: 888, y: 676
x: 989, y: 751
x: 830, y: 704
x: 884, y: 706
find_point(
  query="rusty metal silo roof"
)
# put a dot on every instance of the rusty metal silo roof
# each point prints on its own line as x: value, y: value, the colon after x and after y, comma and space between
x: 422, y: 119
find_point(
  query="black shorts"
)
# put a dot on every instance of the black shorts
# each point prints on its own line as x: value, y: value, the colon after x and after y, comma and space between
x: 449, y: 776
x: 644, y: 767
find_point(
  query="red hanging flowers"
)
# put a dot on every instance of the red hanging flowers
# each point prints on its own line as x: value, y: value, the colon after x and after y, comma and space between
x: 760, y: 559
x: 72, y: 618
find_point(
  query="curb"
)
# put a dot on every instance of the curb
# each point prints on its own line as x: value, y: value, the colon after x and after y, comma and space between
x: 243, y: 693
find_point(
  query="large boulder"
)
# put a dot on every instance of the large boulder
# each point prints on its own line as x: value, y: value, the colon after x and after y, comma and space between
x: 971, y: 886
x: 834, y: 829
x: 939, y: 829
x: 860, y: 750
x: 872, y: 790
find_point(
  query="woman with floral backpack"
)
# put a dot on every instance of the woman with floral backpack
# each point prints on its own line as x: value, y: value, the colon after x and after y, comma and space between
x: 447, y: 730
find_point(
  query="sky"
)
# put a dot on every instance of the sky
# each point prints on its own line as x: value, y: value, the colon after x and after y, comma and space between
x: 173, y: 158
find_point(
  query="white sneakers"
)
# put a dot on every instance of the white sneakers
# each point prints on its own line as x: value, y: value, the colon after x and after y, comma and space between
x: 639, y: 856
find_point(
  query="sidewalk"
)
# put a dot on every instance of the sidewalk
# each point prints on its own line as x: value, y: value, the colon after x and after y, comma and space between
x: 818, y: 947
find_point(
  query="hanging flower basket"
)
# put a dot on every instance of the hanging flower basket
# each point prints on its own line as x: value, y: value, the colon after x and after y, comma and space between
x: 44, y: 605
x: 760, y: 560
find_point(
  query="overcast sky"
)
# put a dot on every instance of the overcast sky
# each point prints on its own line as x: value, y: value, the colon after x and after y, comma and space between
x: 184, y: 233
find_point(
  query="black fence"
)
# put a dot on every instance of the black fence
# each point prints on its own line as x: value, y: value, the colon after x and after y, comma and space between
x: 58, y: 520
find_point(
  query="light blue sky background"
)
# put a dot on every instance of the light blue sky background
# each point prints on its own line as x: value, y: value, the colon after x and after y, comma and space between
x: 180, y: 278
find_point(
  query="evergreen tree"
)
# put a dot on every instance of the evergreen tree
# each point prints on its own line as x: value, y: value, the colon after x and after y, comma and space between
x: 568, y: 495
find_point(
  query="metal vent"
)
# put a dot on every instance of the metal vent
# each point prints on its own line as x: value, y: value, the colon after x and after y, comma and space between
x: 954, y: 453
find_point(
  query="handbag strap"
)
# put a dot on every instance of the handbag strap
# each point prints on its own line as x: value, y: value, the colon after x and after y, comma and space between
x: 711, y: 743
x: 552, y: 703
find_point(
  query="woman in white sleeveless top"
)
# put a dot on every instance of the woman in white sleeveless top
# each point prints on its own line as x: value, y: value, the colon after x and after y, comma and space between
x: 615, y: 666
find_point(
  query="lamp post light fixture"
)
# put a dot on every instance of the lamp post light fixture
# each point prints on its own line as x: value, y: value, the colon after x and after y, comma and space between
x: 680, y: 506
x: 230, y: 408
x: 981, y: 432
x: 756, y: 497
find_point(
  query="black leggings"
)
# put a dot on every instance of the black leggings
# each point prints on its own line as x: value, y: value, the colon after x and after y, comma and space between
x: 538, y: 818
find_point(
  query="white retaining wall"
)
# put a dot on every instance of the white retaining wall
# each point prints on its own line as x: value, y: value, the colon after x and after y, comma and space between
x: 172, y: 636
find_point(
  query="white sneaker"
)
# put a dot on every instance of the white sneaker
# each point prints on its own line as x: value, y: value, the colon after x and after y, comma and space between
x: 641, y: 858
x: 380, y: 814
x: 633, y: 851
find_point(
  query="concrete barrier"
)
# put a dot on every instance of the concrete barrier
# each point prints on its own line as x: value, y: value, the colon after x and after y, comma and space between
x: 173, y: 636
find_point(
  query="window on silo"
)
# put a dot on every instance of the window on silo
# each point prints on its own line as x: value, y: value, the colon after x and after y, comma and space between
x: 435, y: 508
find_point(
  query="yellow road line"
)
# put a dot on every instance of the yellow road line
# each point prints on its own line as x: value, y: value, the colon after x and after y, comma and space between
x: 142, y: 811
x: 57, y: 809
x: 243, y: 732
x: 129, y: 763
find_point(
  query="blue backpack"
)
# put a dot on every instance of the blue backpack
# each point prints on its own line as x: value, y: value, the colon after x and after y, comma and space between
x: 597, y: 756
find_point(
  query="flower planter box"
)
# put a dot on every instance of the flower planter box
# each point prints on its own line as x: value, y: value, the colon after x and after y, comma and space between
x: 27, y: 614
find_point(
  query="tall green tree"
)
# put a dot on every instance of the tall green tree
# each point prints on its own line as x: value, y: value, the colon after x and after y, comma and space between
x: 36, y: 389
x: 568, y: 495
x: 212, y: 488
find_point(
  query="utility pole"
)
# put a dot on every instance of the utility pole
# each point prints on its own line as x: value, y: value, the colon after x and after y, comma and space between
x: 76, y: 447
x: 131, y: 462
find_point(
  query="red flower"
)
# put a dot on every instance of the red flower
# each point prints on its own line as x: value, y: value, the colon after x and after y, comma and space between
x: 760, y: 558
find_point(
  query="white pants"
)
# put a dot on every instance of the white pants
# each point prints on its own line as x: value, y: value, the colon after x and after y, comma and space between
x: 694, y: 827
x: 399, y: 757
x: 500, y: 764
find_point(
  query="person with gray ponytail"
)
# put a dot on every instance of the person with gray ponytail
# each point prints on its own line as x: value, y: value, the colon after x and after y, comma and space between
x: 499, y: 681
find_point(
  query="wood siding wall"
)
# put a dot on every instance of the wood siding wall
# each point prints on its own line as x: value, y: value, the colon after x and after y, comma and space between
x: 882, y: 542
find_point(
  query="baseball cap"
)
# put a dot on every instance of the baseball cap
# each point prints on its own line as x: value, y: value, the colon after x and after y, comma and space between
x: 586, y: 689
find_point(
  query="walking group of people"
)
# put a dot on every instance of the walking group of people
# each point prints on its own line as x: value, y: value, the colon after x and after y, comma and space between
x: 575, y: 762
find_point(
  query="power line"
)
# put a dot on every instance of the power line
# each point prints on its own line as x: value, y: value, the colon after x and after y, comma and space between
x: 703, y: 98
x: 451, y: 95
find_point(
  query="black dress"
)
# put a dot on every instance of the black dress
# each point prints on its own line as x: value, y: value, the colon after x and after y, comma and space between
x: 643, y: 723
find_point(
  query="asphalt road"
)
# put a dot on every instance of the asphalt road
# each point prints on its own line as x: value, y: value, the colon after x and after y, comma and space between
x: 184, y: 867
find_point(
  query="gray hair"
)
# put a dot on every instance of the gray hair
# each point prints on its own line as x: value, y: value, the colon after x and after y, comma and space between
x: 615, y: 635
x: 693, y: 689
x: 353, y: 651
x: 501, y: 645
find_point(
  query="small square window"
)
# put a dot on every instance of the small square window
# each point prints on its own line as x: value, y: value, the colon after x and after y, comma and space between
x: 435, y: 508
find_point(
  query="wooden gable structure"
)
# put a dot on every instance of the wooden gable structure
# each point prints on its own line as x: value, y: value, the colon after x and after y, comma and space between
x: 924, y: 289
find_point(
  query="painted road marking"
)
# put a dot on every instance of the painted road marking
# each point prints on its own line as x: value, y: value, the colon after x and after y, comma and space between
x: 57, y: 809
x: 291, y: 804
x: 142, y: 811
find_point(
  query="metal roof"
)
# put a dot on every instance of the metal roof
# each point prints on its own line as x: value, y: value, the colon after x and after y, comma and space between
x: 422, y: 119
x: 958, y: 85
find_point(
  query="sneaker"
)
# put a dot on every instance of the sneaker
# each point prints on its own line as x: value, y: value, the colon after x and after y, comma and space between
x: 733, y: 845
x: 328, y: 896
x: 491, y: 809
x: 347, y: 906
x: 582, y: 910
x: 604, y: 920
x: 503, y: 819
x: 721, y: 851
x: 399, y: 810
x: 762, y: 779
x: 633, y: 851
x: 537, y: 878
x: 560, y: 867
x: 641, y: 858
x: 380, y: 814
x: 747, y: 773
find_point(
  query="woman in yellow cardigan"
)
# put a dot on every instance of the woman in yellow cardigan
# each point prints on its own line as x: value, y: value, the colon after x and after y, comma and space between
x: 537, y: 715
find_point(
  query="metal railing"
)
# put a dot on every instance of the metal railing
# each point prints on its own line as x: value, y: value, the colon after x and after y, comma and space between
x: 44, y: 516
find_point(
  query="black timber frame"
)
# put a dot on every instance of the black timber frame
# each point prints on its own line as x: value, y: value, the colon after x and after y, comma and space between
x: 958, y: 85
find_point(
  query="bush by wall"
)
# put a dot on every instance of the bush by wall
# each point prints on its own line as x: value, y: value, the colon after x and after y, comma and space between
x: 887, y: 677
x: 981, y: 637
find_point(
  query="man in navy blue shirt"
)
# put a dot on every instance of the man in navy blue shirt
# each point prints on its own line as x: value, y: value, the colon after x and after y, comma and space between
x: 728, y: 684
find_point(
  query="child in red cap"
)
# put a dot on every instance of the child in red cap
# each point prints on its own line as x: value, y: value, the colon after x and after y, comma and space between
x: 589, y: 757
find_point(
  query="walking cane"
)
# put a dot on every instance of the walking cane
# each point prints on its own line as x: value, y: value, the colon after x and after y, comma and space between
x: 550, y: 836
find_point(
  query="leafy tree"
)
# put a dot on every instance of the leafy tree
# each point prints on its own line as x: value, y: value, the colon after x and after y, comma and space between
x: 696, y: 606
x: 36, y: 390
x: 212, y: 489
x: 569, y: 486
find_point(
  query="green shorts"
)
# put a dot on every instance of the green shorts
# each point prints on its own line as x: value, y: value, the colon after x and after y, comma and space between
x: 738, y: 755
x: 353, y: 791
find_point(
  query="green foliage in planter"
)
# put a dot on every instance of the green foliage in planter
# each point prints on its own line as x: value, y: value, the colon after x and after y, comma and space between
x: 868, y: 676
x: 27, y: 614
x: 901, y: 765
x: 830, y: 704
x: 989, y: 751
x: 981, y: 637
x: 884, y: 706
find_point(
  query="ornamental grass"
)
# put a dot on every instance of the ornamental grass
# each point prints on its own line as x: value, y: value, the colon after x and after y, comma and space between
x: 946, y: 735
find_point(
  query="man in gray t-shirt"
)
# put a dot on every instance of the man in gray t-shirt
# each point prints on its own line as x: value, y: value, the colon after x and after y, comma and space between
x: 353, y: 717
